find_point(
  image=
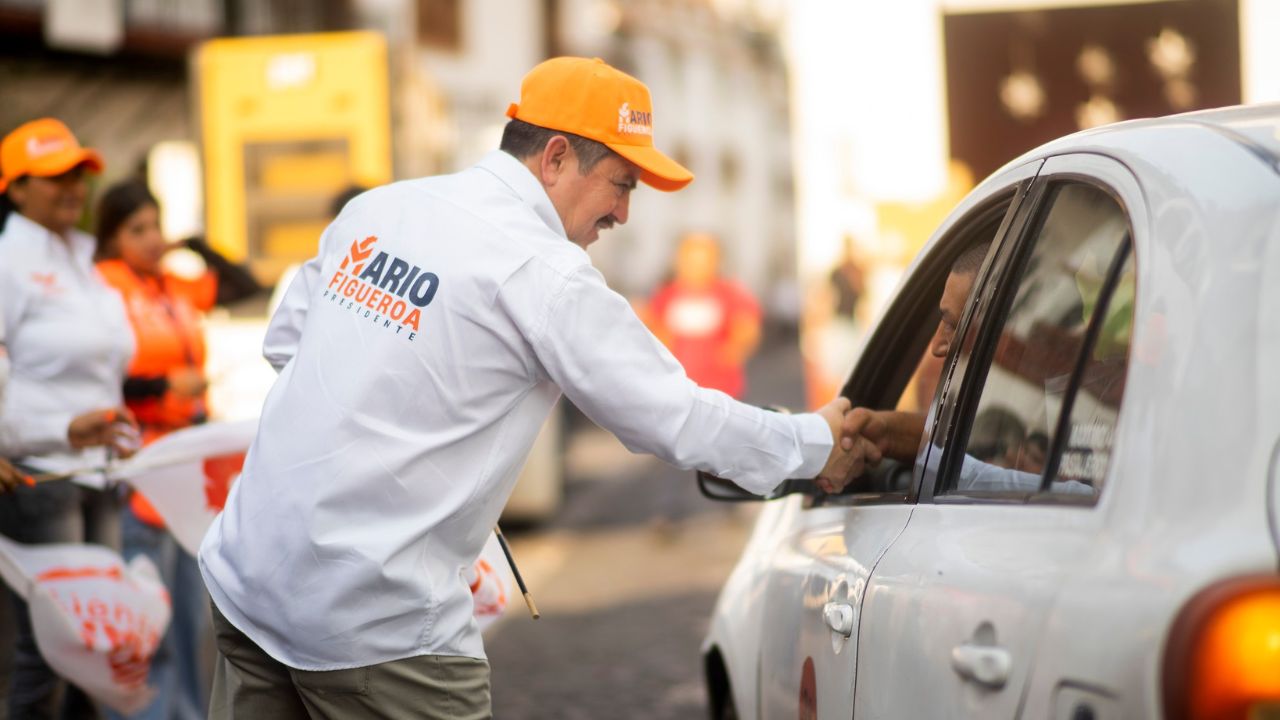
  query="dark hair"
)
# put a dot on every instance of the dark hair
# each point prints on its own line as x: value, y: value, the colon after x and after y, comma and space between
x: 970, y: 260
x: 340, y: 200
x: 6, y: 208
x: 522, y: 139
x: 114, y: 207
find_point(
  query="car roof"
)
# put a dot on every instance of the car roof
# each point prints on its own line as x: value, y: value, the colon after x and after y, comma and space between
x: 1255, y: 128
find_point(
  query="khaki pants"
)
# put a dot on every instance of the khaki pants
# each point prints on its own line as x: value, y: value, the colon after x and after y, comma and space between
x: 248, y: 684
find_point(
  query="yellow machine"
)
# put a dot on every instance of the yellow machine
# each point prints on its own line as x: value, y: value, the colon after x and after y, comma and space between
x: 286, y: 123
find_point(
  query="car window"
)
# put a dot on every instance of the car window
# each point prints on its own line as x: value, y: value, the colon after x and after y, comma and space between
x: 1049, y: 394
x: 899, y: 369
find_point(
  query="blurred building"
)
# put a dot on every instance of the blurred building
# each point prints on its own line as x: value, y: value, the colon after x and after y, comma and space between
x: 719, y: 87
x: 116, y: 70
x: 900, y: 108
x: 120, y: 73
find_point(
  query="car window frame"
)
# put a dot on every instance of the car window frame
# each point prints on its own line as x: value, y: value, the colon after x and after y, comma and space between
x: 879, y: 378
x: 960, y: 407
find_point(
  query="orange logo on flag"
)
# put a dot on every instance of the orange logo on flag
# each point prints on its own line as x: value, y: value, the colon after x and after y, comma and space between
x: 219, y: 471
x: 132, y: 640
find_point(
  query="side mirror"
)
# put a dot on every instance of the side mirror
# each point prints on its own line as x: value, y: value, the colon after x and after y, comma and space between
x: 719, y: 489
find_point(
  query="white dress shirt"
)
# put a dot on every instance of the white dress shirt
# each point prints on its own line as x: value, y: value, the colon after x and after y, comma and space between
x: 69, y: 344
x: 389, y: 443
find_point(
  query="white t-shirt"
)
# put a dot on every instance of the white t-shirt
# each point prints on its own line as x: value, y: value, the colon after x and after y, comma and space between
x: 422, y: 349
x: 69, y: 344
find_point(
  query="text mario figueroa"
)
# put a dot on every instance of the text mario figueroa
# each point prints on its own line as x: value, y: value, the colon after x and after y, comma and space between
x: 387, y: 290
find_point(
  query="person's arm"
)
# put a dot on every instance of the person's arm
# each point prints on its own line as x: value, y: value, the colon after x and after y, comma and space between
x: 285, y: 329
x: 234, y: 282
x: 896, y: 433
x: 595, y: 348
x: 143, y: 387
x: 10, y: 477
x: 184, y: 382
x: 976, y: 475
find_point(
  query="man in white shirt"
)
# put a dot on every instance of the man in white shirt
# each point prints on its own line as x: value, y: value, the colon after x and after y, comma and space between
x: 419, y: 353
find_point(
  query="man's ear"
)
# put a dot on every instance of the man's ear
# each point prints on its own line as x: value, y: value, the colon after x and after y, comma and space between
x: 554, y: 160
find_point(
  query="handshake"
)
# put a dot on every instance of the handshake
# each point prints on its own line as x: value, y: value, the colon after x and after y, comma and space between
x: 860, y: 440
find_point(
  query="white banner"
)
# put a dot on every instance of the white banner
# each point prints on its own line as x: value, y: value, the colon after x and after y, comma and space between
x: 97, y: 621
x: 186, y: 475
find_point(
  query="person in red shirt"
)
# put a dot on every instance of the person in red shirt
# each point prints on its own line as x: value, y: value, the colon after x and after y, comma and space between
x: 710, y: 323
x: 165, y: 389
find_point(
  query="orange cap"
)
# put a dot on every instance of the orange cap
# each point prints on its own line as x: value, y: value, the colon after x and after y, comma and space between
x: 590, y: 98
x: 43, y: 148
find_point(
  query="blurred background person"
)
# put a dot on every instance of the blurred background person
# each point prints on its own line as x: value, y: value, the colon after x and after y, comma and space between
x: 165, y: 389
x: 848, y: 281
x: 710, y: 323
x: 69, y: 343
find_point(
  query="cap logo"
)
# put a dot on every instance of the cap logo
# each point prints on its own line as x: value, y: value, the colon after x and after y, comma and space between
x: 634, y: 122
x: 37, y: 147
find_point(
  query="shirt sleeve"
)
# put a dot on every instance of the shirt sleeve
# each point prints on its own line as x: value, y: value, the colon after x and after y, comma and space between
x: 985, y: 477
x: 594, y: 347
x: 280, y: 343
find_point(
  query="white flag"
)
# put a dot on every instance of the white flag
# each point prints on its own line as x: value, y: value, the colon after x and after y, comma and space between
x: 186, y: 475
x: 97, y: 621
x: 491, y: 583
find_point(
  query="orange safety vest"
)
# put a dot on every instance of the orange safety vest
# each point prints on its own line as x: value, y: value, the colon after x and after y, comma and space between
x: 165, y: 314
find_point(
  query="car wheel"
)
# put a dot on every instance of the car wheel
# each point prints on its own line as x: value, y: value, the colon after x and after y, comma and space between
x: 719, y: 692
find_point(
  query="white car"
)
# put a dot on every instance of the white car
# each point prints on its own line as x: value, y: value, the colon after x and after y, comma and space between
x: 1091, y: 525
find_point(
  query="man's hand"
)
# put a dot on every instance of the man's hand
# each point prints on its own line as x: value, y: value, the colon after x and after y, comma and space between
x: 114, y: 427
x: 851, y: 452
x: 187, y: 383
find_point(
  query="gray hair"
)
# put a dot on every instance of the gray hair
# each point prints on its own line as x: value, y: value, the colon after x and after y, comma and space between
x: 521, y: 139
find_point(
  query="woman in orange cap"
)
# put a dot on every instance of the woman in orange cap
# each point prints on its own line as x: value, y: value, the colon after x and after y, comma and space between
x: 165, y: 390
x: 69, y: 343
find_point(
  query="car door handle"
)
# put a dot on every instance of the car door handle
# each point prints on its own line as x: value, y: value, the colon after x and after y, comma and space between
x: 983, y: 664
x: 839, y: 616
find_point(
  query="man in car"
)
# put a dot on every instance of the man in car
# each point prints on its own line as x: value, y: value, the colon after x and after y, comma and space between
x: 419, y: 353
x: 897, y: 434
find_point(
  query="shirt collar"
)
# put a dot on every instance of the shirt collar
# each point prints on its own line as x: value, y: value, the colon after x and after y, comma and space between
x: 516, y: 176
x: 80, y: 245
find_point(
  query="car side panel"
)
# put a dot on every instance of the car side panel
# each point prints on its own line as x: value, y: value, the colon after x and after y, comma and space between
x: 1187, y: 497
x: 806, y: 668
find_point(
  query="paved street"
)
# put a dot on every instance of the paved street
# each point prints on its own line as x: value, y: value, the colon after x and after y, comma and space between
x: 625, y: 579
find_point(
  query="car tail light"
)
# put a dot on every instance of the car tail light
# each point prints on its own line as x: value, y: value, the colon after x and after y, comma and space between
x: 1222, y: 658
